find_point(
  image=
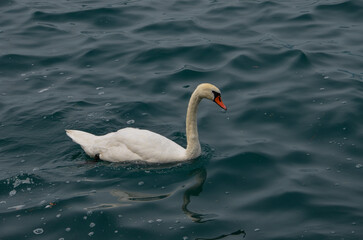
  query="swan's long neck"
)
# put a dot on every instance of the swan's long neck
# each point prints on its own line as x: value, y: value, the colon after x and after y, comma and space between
x: 193, y: 146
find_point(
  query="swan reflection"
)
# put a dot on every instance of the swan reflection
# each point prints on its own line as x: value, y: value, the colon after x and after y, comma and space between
x: 136, y: 196
x: 195, y: 188
x: 238, y: 232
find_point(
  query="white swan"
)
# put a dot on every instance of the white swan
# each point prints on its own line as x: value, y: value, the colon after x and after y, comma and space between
x: 130, y: 144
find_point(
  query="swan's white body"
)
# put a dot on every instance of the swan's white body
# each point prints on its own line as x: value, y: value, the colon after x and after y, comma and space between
x: 132, y: 144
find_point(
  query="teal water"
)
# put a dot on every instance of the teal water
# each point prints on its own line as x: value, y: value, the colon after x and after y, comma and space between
x: 284, y: 162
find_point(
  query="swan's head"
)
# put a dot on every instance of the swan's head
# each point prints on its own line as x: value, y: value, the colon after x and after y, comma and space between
x: 211, y: 92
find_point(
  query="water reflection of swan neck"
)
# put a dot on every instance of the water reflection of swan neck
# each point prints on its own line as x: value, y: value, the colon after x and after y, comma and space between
x: 195, y: 190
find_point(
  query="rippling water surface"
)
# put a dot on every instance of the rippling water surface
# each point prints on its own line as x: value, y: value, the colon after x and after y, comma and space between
x: 285, y: 161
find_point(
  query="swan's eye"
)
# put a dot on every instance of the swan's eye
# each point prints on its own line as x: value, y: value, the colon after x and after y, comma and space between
x: 216, y: 95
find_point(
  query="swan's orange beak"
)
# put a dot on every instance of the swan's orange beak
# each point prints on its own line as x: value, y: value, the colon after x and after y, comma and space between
x: 218, y: 100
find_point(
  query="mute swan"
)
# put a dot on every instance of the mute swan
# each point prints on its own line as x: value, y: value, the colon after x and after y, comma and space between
x: 130, y: 144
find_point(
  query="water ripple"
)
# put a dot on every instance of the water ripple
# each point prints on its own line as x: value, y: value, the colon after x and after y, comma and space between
x: 286, y: 153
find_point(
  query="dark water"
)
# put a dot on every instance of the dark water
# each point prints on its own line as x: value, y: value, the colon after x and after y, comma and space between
x: 285, y: 161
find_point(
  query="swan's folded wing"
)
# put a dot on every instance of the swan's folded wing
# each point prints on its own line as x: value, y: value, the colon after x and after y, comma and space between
x: 150, y: 146
x: 118, y: 153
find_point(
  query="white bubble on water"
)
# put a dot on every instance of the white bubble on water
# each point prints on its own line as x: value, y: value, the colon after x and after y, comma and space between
x: 12, y: 192
x: 132, y: 121
x: 92, y: 224
x: 17, y: 207
x: 43, y: 90
x: 68, y: 229
x: 38, y: 231
x: 18, y: 182
x: 91, y: 234
x: 358, y: 165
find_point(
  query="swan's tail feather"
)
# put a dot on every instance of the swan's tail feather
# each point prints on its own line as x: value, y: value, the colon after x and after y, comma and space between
x: 86, y: 140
